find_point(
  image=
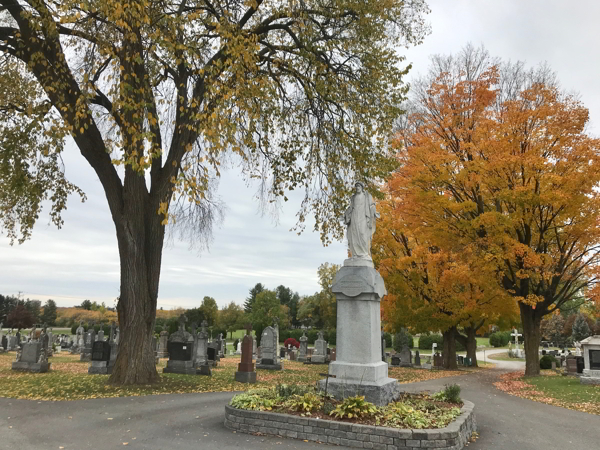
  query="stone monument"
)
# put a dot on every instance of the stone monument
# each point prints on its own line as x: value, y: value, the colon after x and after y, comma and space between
x: 268, y: 346
x: 405, y: 357
x: 246, y: 372
x: 358, y: 288
x: 32, y: 356
x: 201, y: 351
x: 180, y: 348
x: 80, y: 343
x: 101, y: 358
x: 303, y: 347
x: 591, y: 360
x: 319, y: 356
x: 163, y: 340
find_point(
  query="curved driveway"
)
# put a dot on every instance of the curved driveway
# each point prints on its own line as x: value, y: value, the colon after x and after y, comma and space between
x: 195, y: 421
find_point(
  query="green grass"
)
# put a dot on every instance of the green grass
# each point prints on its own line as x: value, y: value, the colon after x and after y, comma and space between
x: 566, y: 389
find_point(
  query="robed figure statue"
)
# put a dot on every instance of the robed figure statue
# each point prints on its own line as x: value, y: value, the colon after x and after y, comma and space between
x: 360, y: 219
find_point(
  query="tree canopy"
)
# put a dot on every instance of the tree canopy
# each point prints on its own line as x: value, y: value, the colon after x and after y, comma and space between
x: 495, y: 163
x: 157, y: 95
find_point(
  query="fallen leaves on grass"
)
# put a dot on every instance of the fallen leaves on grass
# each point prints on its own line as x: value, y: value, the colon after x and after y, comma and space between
x: 565, y: 392
x: 68, y: 379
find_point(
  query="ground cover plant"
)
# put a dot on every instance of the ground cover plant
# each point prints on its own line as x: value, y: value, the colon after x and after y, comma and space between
x: 410, y: 411
x: 68, y: 380
x: 554, y: 389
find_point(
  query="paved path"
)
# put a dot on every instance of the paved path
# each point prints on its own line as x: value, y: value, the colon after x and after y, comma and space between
x: 506, y: 365
x: 195, y: 421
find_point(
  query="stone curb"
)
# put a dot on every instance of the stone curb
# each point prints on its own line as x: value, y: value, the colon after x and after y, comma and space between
x: 452, y: 437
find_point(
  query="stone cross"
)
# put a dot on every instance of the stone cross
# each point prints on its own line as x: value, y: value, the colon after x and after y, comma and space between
x: 182, y: 321
x: 516, y: 335
x: 111, y: 338
x: 204, y: 324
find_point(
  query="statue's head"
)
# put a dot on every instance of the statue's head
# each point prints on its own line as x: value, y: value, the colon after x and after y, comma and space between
x: 359, y: 187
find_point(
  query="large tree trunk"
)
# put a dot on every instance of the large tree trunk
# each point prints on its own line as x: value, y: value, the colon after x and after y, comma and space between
x: 140, y: 236
x: 449, y: 352
x: 531, y: 321
x: 470, y: 343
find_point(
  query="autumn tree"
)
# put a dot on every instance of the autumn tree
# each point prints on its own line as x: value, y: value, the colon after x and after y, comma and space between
x: 20, y: 317
x: 496, y: 158
x: 320, y: 309
x: 49, y: 313
x: 155, y: 94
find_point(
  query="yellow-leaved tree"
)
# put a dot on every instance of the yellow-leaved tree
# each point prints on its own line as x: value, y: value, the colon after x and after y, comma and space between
x: 300, y: 91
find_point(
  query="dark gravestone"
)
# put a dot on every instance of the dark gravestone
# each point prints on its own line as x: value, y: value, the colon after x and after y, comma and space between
x: 4, y: 342
x: 395, y: 360
x: 543, y: 352
x: 212, y: 354
x: 101, y: 351
x: 282, y: 352
x: 594, y: 360
x: 417, y: 358
x: 571, y: 364
x: 580, y: 364
x: 180, y: 351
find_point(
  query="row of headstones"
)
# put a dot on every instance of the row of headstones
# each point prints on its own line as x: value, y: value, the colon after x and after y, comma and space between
x: 191, y: 353
x: 269, y: 356
x: 32, y: 355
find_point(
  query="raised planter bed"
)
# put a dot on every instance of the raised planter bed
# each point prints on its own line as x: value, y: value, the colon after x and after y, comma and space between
x: 454, y: 436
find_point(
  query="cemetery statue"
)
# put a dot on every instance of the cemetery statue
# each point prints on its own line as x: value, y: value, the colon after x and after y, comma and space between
x: 32, y: 336
x: 111, y: 338
x: 578, y: 348
x: 79, y: 333
x: 360, y: 219
x: 44, y: 346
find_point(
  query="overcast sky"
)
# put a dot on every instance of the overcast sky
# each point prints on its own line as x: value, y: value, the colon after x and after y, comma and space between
x: 81, y: 260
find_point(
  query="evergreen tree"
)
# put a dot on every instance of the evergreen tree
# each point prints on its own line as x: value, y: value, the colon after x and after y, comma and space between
x: 581, y: 329
x: 49, y: 313
x: 253, y: 293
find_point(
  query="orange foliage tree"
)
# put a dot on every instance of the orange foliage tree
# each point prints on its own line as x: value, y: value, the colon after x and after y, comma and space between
x: 433, y: 287
x: 495, y: 159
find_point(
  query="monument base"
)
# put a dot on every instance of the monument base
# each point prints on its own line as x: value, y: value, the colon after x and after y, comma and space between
x: 269, y: 366
x: 380, y: 393
x: 162, y: 354
x: 181, y: 367
x: 31, y: 367
x: 86, y: 357
x: 318, y: 359
x: 100, y: 368
x: 204, y: 369
x: 245, y: 377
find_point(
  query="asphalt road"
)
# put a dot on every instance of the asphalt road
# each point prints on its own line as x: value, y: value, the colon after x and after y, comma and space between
x: 195, y: 421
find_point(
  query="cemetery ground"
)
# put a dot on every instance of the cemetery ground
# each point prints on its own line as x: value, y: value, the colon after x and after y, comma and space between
x: 195, y: 421
x: 68, y: 379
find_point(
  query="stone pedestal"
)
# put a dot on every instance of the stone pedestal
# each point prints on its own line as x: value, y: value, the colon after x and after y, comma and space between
x: 591, y: 355
x: 100, y: 368
x: 182, y: 367
x: 31, y: 359
x: 358, y: 368
x: 246, y: 372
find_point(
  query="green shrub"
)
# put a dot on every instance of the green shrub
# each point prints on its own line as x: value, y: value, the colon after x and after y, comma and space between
x: 288, y: 390
x: 306, y: 403
x: 388, y: 339
x: 450, y: 394
x: 252, y: 402
x: 426, y: 341
x: 546, y: 362
x: 402, y: 338
x: 328, y: 408
x: 459, y: 346
x: 74, y: 329
x: 500, y: 338
x: 331, y: 336
x: 354, y: 407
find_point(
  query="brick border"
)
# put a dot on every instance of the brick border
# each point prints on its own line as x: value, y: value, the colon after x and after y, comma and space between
x: 453, y: 437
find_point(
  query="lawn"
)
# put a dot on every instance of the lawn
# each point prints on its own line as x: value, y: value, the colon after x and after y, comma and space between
x: 554, y: 389
x: 503, y: 357
x: 69, y: 380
